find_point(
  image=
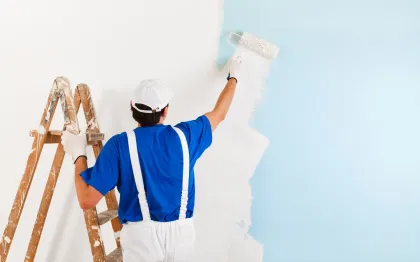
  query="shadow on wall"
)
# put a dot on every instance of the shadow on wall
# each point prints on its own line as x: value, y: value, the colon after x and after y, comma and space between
x: 114, y: 111
x: 195, y: 95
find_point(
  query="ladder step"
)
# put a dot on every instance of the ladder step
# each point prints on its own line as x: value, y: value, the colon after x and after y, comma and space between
x: 115, y: 256
x: 107, y: 216
x: 54, y: 137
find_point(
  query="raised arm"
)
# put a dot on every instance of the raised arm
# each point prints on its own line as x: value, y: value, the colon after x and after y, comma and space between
x: 218, y: 114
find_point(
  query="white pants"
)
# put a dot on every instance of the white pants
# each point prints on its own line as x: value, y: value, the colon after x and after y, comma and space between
x: 151, y: 241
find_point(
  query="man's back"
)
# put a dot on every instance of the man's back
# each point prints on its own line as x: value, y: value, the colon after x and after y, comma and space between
x: 161, y: 160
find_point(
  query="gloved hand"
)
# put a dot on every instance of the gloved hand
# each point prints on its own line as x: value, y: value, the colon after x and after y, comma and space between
x: 74, y: 145
x: 235, y: 68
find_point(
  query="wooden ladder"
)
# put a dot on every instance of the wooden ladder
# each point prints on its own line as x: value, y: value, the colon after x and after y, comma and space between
x: 61, y: 92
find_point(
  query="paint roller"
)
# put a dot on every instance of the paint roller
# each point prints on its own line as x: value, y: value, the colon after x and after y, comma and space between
x: 254, y: 43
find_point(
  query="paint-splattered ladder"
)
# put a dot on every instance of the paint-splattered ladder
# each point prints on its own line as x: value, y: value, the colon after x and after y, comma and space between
x: 61, y: 91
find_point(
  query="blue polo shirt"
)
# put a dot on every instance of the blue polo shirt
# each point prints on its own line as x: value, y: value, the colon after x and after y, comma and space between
x: 161, y: 161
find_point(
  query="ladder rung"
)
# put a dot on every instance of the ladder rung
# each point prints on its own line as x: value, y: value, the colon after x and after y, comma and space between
x: 107, y: 216
x: 115, y: 256
x: 54, y: 136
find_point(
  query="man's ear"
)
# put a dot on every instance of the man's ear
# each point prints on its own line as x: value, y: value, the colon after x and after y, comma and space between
x: 165, y: 111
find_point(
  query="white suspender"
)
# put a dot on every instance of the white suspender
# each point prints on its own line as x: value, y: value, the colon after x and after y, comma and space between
x: 185, y: 173
x: 138, y: 177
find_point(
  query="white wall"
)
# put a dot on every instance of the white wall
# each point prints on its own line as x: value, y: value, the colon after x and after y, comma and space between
x: 111, y: 46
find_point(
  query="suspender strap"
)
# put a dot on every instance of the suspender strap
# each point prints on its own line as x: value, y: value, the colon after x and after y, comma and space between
x: 185, y: 173
x: 138, y: 177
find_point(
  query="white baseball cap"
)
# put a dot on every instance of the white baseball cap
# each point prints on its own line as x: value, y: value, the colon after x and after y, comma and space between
x: 152, y: 93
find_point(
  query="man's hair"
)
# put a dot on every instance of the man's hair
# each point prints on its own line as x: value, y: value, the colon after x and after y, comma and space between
x: 146, y: 119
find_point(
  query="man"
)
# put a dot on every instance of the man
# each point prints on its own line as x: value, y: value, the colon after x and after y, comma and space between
x: 153, y: 168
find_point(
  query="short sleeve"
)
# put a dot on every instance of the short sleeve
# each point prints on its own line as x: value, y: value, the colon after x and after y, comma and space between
x: 198, y: 134
x: 104, y: 175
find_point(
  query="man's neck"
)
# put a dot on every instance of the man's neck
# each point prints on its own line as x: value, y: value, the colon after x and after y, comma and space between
x: 158, y: 124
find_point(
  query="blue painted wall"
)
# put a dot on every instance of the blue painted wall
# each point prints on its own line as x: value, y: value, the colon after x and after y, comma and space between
x: 340, y: 181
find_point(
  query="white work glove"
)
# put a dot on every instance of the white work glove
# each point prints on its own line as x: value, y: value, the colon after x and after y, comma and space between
x: 74, y: 145
x: 235, y: 68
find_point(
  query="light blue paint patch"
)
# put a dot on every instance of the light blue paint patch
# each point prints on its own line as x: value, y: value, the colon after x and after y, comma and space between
x: 340, y: 180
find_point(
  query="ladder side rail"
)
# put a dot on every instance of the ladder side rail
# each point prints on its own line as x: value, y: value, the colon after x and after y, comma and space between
x: 93, y: 126
x: 31, y: 165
